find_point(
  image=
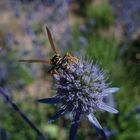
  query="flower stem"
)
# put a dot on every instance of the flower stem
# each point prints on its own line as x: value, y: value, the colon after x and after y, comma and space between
x: 23, y: 116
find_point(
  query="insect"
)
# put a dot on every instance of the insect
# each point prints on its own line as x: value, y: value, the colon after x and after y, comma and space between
x: 57, y: 62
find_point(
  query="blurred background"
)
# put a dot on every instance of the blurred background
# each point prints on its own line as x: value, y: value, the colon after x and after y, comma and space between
x: 106, y: 31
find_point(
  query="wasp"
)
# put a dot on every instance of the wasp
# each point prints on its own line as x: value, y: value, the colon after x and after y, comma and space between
x: 57, y: 62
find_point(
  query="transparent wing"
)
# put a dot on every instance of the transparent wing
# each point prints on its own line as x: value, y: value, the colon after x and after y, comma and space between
x: 51, y: 40
x: 35, y: 61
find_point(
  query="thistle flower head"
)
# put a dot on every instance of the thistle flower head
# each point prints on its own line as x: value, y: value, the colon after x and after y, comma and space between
x: 81, y: 91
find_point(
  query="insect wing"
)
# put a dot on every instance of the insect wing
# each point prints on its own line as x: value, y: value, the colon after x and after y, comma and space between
x: 51, y: 40
x: 36, y: 61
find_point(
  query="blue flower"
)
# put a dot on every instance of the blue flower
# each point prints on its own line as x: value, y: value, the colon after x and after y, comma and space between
x: 81, y: 91
x: 127, y: 12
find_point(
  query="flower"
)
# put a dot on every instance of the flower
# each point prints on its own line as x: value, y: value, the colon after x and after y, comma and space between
x: 127, y: 12
x: 81, y: 91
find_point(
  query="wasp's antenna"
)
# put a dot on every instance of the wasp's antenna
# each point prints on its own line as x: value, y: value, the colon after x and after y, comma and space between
x: 51, y: 40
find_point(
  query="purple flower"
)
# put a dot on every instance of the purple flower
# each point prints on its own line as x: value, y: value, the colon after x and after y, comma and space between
x: 81, y: 91
x: 128, y: 13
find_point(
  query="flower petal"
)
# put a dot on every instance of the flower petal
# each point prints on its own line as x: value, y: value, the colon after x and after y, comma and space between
x: 97, y: 126
x: 94, y: 121
x: 109, y: 91
x: 74, y: 126
x: 58, y: 115
x: 54, y: 100
x: 105, y: 107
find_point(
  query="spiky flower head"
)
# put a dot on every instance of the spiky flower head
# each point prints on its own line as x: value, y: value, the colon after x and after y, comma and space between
x: 81, y: 91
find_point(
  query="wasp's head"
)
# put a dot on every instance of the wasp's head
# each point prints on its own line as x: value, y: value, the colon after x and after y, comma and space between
x: 56, y: 59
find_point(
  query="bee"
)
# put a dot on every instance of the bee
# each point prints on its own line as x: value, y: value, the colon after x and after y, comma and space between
x: 57, y: 62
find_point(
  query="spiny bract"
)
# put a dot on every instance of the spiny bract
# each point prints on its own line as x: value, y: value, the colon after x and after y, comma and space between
x: 81, y: 91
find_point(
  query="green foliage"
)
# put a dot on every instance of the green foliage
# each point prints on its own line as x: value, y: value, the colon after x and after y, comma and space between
x: 130, y: 129
x: 101, y: 13
x: 131, y: 60
x: 13, y: 124
x: 103, y: 50
x: 38, y: 114
x: 52, y: 131
x: 21, y: 73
